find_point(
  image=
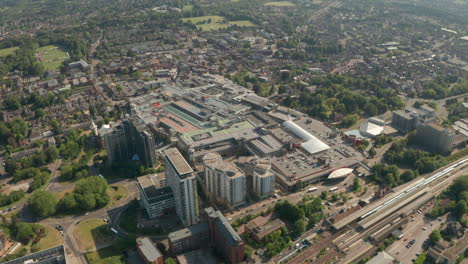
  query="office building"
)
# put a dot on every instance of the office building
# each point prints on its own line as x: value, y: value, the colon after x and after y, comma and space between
x: 435, y: 137
x: 408, y: 119
x: 224, y: 180
x: 263, y: 178
x: 181, y: 180
x: 155, y: 196
x: 148, y: 251
x: 130, y: 140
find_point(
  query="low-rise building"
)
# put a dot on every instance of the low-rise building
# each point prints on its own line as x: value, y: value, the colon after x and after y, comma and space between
x: 259, y: 231
x: 148, y: 251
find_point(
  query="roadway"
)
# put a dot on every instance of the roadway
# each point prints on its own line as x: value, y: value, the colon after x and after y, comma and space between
x: 262, y: 206
x: 69, y: 222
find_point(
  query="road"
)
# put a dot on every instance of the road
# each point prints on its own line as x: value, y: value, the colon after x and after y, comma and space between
x: 69, y: 222
x: 293, y: 198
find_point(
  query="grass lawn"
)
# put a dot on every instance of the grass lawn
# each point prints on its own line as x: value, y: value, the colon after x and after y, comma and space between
x: 280, y: 3
x: 105, y: 256
x: 91, y: 233
x: 196, y: 20
x: 52, y: 56
x: 53, y: 238
x: 7, y: 51
x: 59, y: 195
x: 187, y: 8
x: 212, y: 26
x: 242, y: 23
x: 117, y: 193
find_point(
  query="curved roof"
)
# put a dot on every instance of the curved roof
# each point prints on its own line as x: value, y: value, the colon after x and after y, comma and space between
x: 312, y: 144
x: 340, y: 173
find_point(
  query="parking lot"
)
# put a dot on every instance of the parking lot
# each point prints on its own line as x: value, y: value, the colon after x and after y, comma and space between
x: 417, y: 229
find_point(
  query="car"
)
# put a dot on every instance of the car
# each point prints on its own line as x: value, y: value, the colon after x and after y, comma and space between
x: 87, y: 213
x: 424, y: 228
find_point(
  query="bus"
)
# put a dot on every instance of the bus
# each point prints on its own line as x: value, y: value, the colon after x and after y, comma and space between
x: 333, y: 189
x: 313, y: 189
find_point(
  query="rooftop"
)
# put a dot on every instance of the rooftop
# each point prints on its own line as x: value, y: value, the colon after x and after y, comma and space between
x: 148, y: 249
x: 188, y: 232
x: 263, y: 230
x: 179, y: 163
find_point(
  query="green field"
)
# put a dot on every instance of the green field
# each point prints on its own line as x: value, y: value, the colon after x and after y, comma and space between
x: 7, y: 51
x: 187, y: 8
x: 280, y: 3
x: 215, y: 23
x: 92, y: 233
x: 203, y: 19
x: 52, y: 56
x: 53, y: 238
x: 104, y: 256
x: 242, y: 23
x: 117, y: 193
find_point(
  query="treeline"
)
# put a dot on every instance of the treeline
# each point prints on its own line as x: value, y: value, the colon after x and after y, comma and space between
x: 89, y: 194
x: 35, y: 100
x: 24, y: 58
x: 457, y: 195
x: 420, y: 161
x: 338, y: 95
x: 443, y: 87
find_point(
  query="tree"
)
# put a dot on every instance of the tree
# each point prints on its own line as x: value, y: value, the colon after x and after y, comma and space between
x: 435, y: 236
x: 300, y: 226
x: 357, y: 186
x: 39, y: 113
x: 289, y: 211
x: 56, y: 127
x: 67, y: 203
x: 25, y: 232
x: 460, y: 209
x: 51, y: 153
x: 42, y: 203
x: 248, y: 251
x: 169, y: 261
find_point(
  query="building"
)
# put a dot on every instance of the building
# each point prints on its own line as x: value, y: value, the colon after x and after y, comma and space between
x: 443, y: 252
x: 190, y: 238
x: 55, y: 255
x: 382, y: 258
x: 148, y: 251
x: 408, y: 119
x: 223, y: 237
x: 130, y: 140
x: 260, y: 231
x: 435, y: 137
x: 263, y: 178
x: 155, y: 196
x: 181, y: 180
x: 216, y: 232
x: 224, y: 180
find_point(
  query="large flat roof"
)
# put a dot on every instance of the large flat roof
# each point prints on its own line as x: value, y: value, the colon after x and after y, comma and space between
x: 148, y: 249
x: 178, y: 161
